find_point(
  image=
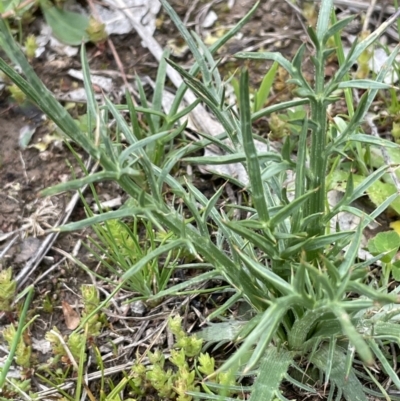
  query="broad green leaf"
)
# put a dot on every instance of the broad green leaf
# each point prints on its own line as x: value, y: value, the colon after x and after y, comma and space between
x: 301, y: 327
x: 25, y: 136
x: 393, y: 154
x: 382, y: 329
x: 17, y: 6
x: 6, y: 5
x: 222, y: 331
x: 378, y: 192
x: 67, y: 26
x: 273, y: 368
x: 396, y: 270
x: 351, y: 386
x: 388, y: 242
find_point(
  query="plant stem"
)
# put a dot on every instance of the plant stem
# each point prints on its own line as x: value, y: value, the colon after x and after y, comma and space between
x: 318, y: 147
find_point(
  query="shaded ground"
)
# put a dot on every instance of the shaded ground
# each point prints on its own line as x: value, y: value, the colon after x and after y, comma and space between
x: 23, y: 173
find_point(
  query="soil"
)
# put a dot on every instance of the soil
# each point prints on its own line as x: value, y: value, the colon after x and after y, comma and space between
x: 276, y: 26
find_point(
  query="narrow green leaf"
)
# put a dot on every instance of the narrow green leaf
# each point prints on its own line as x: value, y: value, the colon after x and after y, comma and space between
x: 92, y: 107
x: 373, y: 140
x: 274, y: 168
x: 364, y: 84
x: 206, y: 95
x: 137, y: 133
x: 298, y: 59
x: 321, y: 282
x: 213, y: 49
x: 275, y: 56
x: 34, y: 88
x: 267, y: 328
x: 277, y: 282
x: 351, y: 253
x: 371, y: 293
x: 355, y: 338
x: 253, y: 165
x: 127, y: 152
x: 144, y: 103
x: 211, y: 203
x: 325, y: 240
x: 278, y: 107
x: 144, y: 159
x: 314, y: 39
x: 336, y: 27
x: 329, y: 362
x: 257, y: 240
x: 150, y: 256
x: 89, y: 179
x: 265, y: 87
x: 188, y: 40
x: 174, y: 118
x: 215, y: 82
x: 225, y: 306
x: 187, y: 283
x: 159, y: 88
x: 301, y: 385
x: 290, y: 209
x: 238, y: 157
x: 359, y: 47
x: 366, y: 183
x: 100, y: 218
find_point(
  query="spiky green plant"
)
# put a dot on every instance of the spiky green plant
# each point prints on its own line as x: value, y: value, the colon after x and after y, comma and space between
x: 311, y: 300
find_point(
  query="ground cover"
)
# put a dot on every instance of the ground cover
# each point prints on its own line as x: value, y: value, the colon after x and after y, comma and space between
x: 175, y: 248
